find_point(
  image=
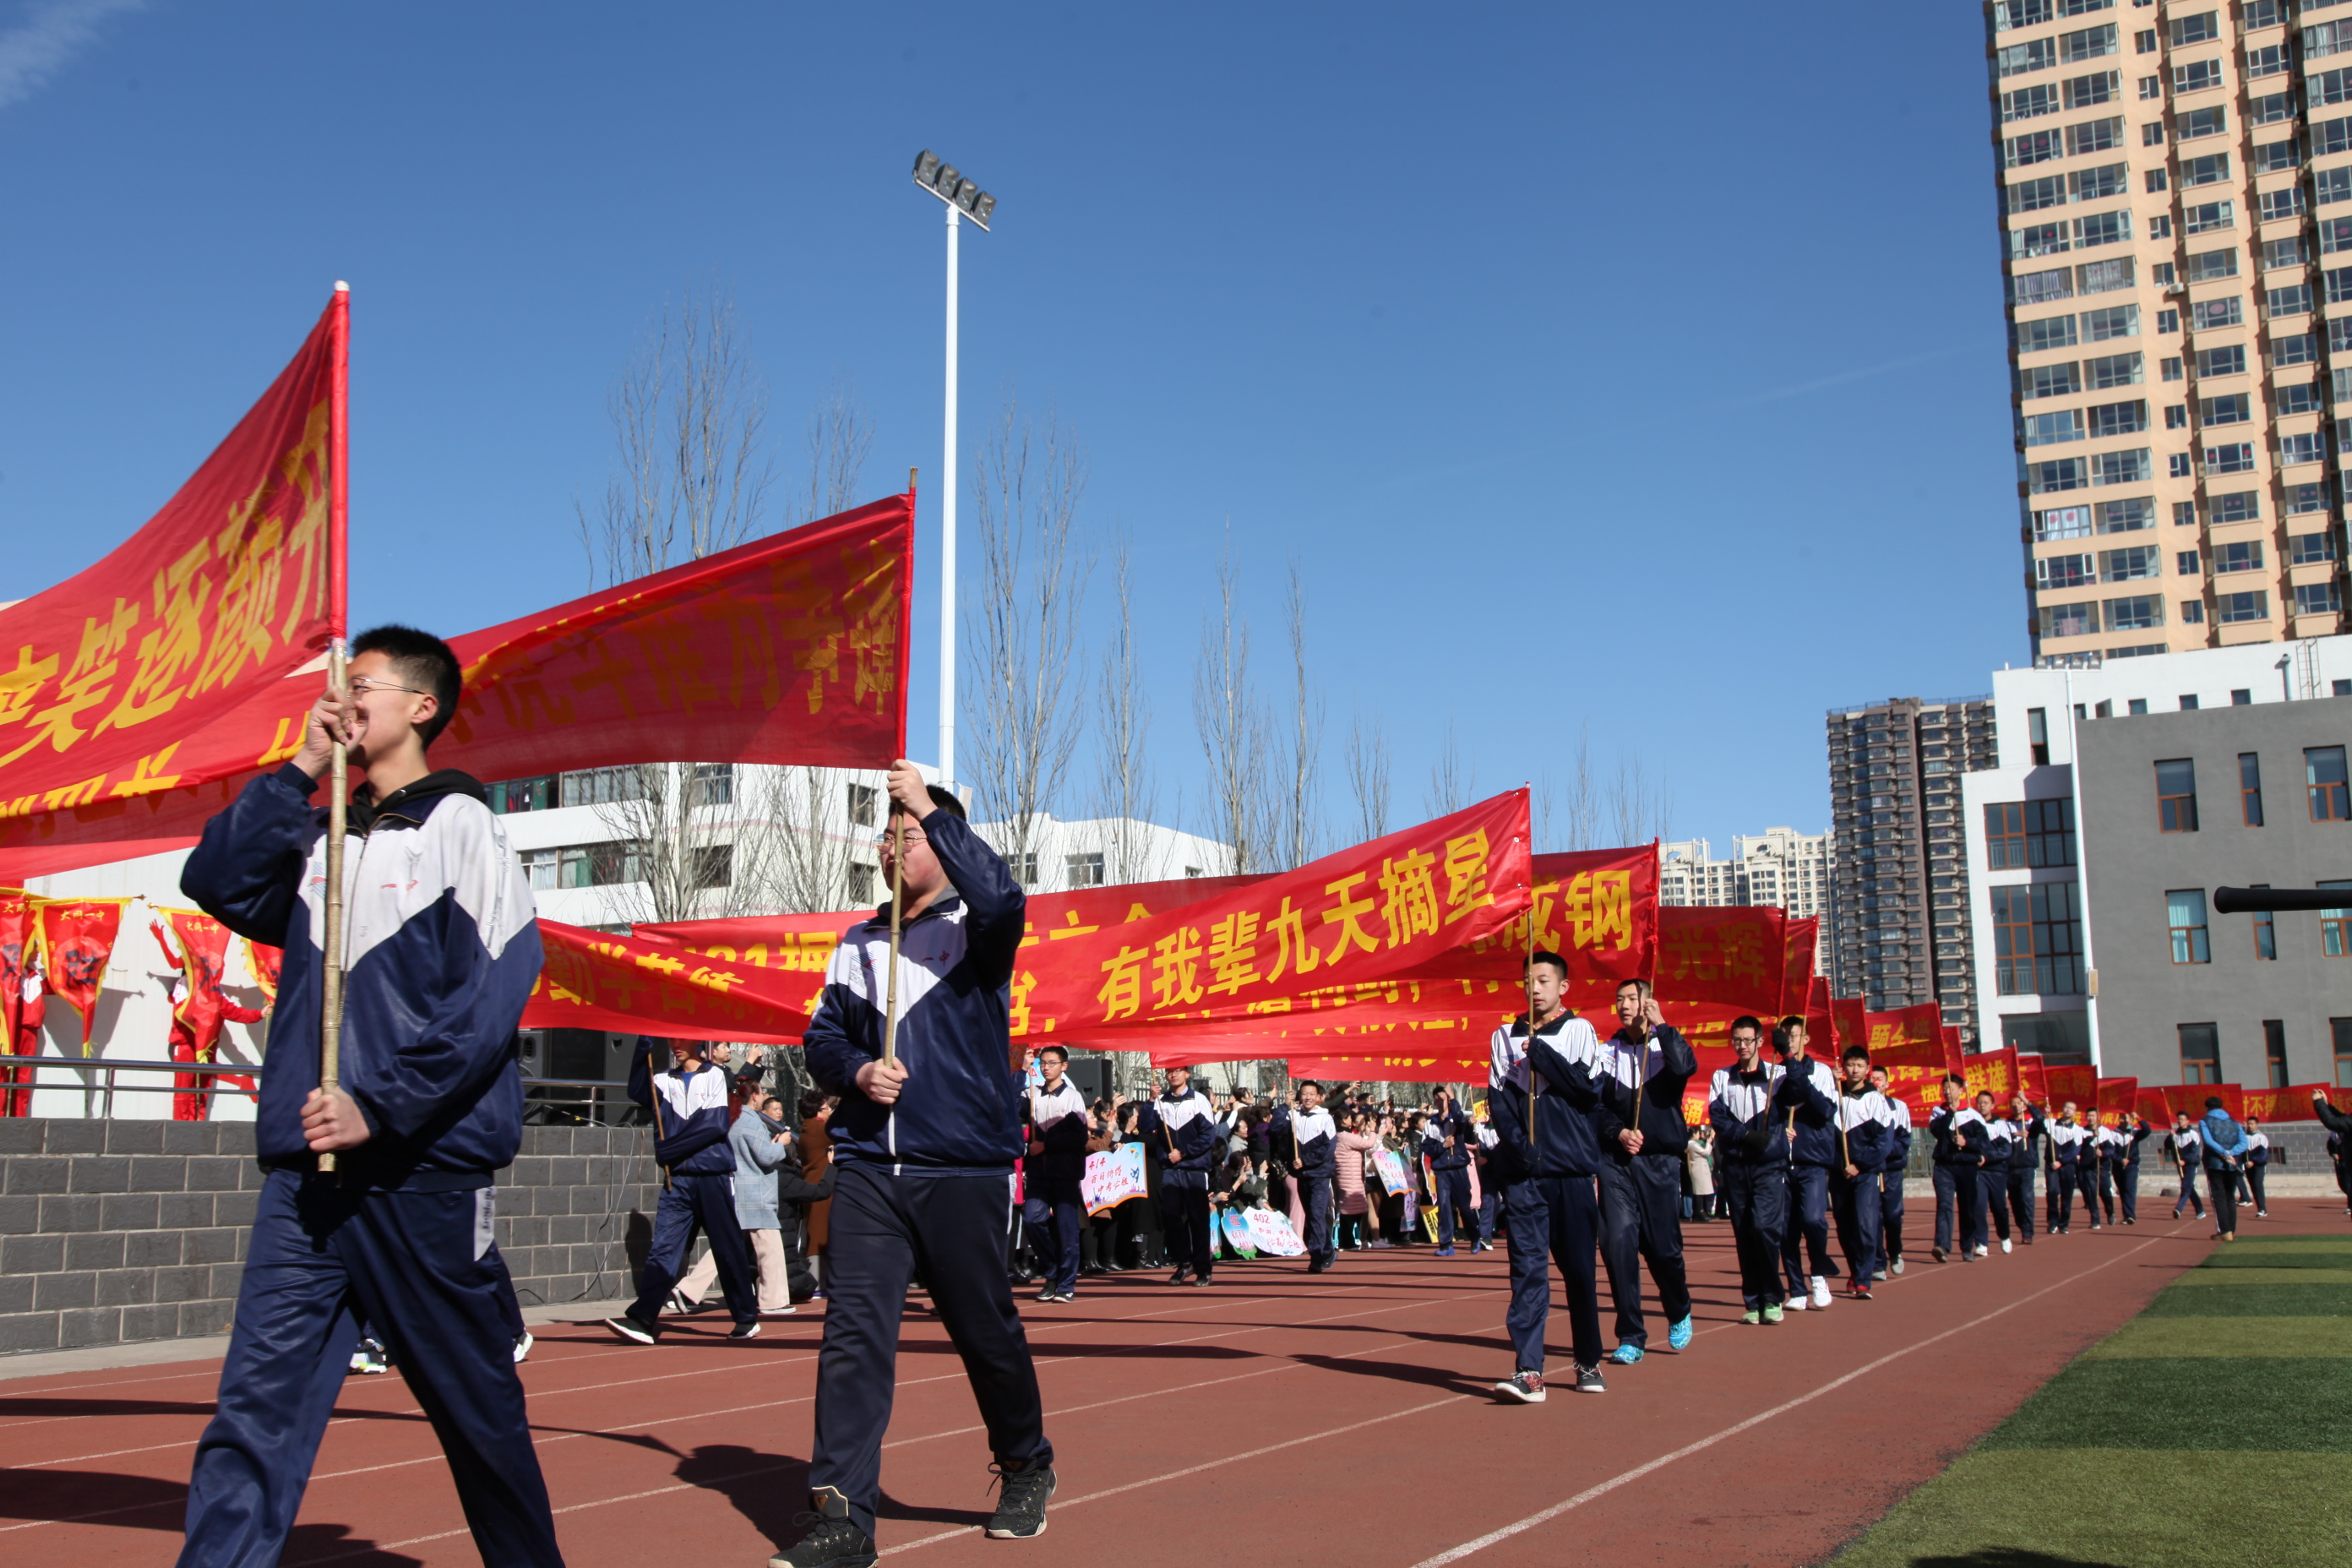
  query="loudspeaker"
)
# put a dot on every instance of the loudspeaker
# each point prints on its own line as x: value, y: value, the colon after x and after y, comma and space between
x: 1092, y: 1077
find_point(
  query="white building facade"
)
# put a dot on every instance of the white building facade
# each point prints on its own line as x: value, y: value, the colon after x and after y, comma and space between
x: 1779, y: 866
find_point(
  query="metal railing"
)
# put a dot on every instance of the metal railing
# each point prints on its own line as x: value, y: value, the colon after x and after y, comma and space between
x: 577, y: 1101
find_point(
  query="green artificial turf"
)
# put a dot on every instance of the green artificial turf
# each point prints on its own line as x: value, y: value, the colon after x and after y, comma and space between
x: 2214, y: 1416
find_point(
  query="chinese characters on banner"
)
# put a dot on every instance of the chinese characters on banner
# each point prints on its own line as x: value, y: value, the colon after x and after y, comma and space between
x: 221, y: 593
x: 77, y: 942
x: 790, y: 649
x: 593, y: 980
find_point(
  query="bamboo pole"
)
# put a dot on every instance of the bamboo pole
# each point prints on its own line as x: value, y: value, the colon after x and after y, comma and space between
x: 330, y: 984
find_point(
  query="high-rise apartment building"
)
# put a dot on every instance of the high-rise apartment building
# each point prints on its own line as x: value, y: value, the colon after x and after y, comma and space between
x: 2176, y: 203
x: 1779, y: 866
x: 1900, y: 932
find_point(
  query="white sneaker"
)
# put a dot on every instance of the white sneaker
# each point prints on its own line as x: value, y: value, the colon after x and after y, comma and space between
x: 522, y: 1347
x: 2004, y: 1244
x: 1796, y: 1303
x: 1896, y: 1265
x: 1982, y: 1251
x: 787, y: 1310
x: 1821, y: 1291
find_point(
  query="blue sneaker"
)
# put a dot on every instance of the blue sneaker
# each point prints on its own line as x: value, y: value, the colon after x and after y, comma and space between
x: 1626, y: 1354
x: 1444, y: 1252
x: 1678, y: 1335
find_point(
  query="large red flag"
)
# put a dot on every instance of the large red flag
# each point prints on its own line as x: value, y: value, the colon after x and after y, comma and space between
x: 221, y: 594
x: 593, y: 980
x: 77, y: 942
x: 19, y: 936
x: 1733, y: 954
x: 200, y: 1007
x: 791, y: 650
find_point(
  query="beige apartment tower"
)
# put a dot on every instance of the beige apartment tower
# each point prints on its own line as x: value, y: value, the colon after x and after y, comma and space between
x: 2176, y: 206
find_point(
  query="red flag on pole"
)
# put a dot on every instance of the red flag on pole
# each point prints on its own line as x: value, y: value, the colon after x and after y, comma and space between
x: 19, y: 939
x: 77, y: 942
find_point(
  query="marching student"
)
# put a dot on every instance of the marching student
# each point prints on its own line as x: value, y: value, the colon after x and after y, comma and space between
x: 2086, y: 1162
x: 2134, y: 1132
x: 2188, y: 1159
x: 923, y: 1146
x: 2109, y: 1142
x: 1313, y: 1140
x: 1960, y: 1133
x: 1055, y: 1165
x: 1740, y: 1107
x: 1891, y: 1175
x: 2066, y: 1140
x: 1865, y: 1125
x: 1191, y: 1139
x: 1992, y: 1176
x: 697, y: 1163
x: 1640, y: 1074
x: 1540, y: 1100
x: 2027, y: 1131
x: 427, y: 1110
x: 2340, y: 1131
x: 2257, y: 1166
x: 1807, y: 1105
x: 1445, y: 1153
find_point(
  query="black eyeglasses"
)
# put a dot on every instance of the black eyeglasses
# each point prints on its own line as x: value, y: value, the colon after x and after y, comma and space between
x: 361, y: 684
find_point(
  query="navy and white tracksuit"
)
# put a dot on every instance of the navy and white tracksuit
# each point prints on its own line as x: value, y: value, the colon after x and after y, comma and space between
x: 1753, y: 1147
x: 2110, y: 1145
x: 1191, y: 1141
x: 2128, y: 1171
x: 1640, y: 1076
x: 1992, y: 1177
x: 1446, y: 1150
x: 927, y: 1178
x: 1960, y: 1136
x: 1052, y: 1203
x: 1544, y: 1160
x: 1807, y: 1107
x: 2066, y: 1165
x: 1890, y: 1179
x: 690, y: 1145
x: 1313, y: 1136
x: 2024, y: 1160
x: 1865, y: 1127
x: 2189, y: 1156
x: 441, y: 951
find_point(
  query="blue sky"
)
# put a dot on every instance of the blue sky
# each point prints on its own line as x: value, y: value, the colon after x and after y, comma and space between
x: 1600, y: 371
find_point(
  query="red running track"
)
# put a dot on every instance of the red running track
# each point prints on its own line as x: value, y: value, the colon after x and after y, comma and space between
x: 1275, y: 1417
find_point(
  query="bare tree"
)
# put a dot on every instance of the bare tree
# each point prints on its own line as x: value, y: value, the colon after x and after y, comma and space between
x: 1543, y: 825
x: 840, y: 439
x: 815, y: 830
x: 1126, y: 796
x: 680, y: 849
x: 1368, y: 776
x: 1301, y: 827
x: 1026, y: 484
x: 1232, y: 729
x: 690, y: 416
x: 1640, y: 805
x: 1582, y: 809
x: 1449, y: 781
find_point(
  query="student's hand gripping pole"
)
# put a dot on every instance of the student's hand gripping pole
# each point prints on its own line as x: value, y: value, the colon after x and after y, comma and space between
x: 897, y: 917
x: 331, y: 986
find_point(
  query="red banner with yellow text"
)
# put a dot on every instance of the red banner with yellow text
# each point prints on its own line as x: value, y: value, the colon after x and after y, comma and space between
x: 789, y: 649
x: 219, y: 596
x: 19, y: 939
x: 77, y: 942
x: 594, y: 980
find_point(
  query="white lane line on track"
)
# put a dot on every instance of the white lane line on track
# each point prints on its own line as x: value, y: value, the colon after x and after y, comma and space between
x: 1546, y: 1515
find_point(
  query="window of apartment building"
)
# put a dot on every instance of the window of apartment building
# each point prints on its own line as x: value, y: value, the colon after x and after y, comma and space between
x: 863, y: 801
x: 2100, y: 184
x: 2235, y: 609
x: 2298, y: 397
x: 2305, y: 498
x: 712, y: 784
x: 2276, y: 157
x: 2234, y: 408
x: 2271, y: 59
x: 1023, y: 868
x: 2032, y: 195
x: 1084, y: 870
x: 2201, y: 1053
x: 2175, y: 797
x: 2136, y: 705
x: 2256, y: 14
x: 2131, y: 467
x: 2201, y: 122
x: 2314, y: 599
x: 2056, y: 476
x: 2037, y: 939
x: 2113, y: 370
x: 2241, y: 698
x: 2129, y: 564
x: 2094, y: 136
x: 2274, y: 1051
x: 2030, y: 833
x: 2066, y: 620
x: 2137, y: 613
x: 2167, y: 321
x: 2033, y: 147
x: 2040, y: 336
x: 2271, y: 109
x: 2310, y: 548
x: 2294, y: 348
x: 2048, y: 381
x: 2017, y: 60
x: 2086, y: 44
x: 2211, y: 313
x: 2201, y: 76
x: 2050, y: 572
x: 2061, y: 523
x: 2245, y: 555
x: 2324, y: 780
x: 2335, y: 926
x: 2176, y: 417
x: 2213, y: 169
x: 2037, y: 734
x: 2266, y: 933
x: 538, y: 792
x: 2205, y: 218
x: 2295, y: 299
x: 2201, y: 28
x: 2339, y: 1032
x: 2099, y: 87
x: 2126, y: 516
x: 712, y: 865
x: 862, y: 880
x: 2250, y: 788
x: 2010, y: 14
x: 2326, y: 38
x: 2030, y: 102
x: 2185, y: 914
x: 2108, y: 419
x: 2294, y: 451
x: 587, y: 865
x: 2238, y: 506
x: 2051, y: 429
x: 604, y: 786
x: 2110, y: 322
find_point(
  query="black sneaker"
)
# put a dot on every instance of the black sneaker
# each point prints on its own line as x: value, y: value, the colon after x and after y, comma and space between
x: 832, y: 1542
x: 1204, y: 1278
x: 750, y: 1331
x: 1183, y: 1275
x: 629, y: 1328
x: 1527, y: 1387
x: 1588, y: 1380
x: 1020, y: 1504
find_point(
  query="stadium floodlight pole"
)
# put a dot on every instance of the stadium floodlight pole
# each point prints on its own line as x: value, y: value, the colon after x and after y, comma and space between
x: 964, y: 199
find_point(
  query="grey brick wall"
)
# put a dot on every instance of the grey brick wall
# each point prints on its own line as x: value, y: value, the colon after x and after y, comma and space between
x: 115, y: 1230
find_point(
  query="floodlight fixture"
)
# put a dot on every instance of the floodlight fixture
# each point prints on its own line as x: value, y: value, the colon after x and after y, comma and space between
x: 947, y: 183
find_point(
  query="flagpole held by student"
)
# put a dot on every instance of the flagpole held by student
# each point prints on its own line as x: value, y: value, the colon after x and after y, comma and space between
x: 1741, y: 1104
x: 1866, y: 1132
x: 1640, y: 1074
x: 1891, y: 1175
x: 1807, y: 1103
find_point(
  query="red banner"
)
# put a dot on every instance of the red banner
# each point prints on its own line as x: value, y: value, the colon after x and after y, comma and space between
x: 265, y: 963
x: 220, y: 595
x: 789, y: 649
x: 2116, y: 1096
x: 2290, y: 1104
x: 19, y: 936
x: 77, y: 942
x: 593, y: 980
x: 1994, y: 1071
x: 2153, y: 1108
x: 1804, y: 937
x: 201, y: 1007
x: 2079, y: 1084
x: 1736, y: 955
x: 1910, y: 1037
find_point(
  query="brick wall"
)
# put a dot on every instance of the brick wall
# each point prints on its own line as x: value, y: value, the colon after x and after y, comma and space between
x: 119, y: 1230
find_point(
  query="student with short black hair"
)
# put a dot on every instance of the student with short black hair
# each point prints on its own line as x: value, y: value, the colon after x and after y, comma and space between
x: 1865, y: 1126
x: 1640, y: 1074
x: 1051, y: 1175
x: 688, y: 1103
x: 2257, y: 1165
x: 1992, y: 1176
x: 2066, y: 1140
x: 2135, y: 1132
x: 1891, y: 1175
x: 2027, y: 1130
x: 1807, y: 1103
x: 1741, y: 1103
x: 2188, y: 1160
x: 1313, y: 1139
x: 1960, y: 1133
x: 441, y: 952
x: 1189, y: 1138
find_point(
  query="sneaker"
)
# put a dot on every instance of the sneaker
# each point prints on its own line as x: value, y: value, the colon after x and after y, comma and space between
x: 1020, y: 1501
x: 522, y: 1347
x: 628, y: 1327
x: 1936, y: 1253
x: 679, y: 1301
x: 785, y: 1310
x: 1527, y: 1387
x: 1183, y: 1275
x: 1590, y: 1381
x: 1204, y: 1278
x: 1860, y: 1292
x: 2005, y: 1246
x: 371, y: 1359
x: 1062, y: 1298
x: 1753, y: 1317
x: 1444, y: 1252
x: 750, y: 1331
x: 1678, y: 1335
x: 832, y: 1540
x: 1821, y: 1292
x: 1773, y: 1312
x: 1626, y: 1354
x: 2259, y: 1213
x: 1797, y: 1303
x: 1983, y: 1251
x: 1316, y: 1266
x: 1896, y: 1265
x: 1044, y: 1294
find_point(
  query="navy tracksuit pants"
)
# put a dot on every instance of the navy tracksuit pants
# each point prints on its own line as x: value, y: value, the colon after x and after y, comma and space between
x: 1890, y: 1212
x: 2127, y: 1189
x: 418, y: 1267
x: 883, y: 1228
x: 1956, y: 1209
x: 1055, y: 1213
x: 1993, y: 1198
x: 1553, y: 1219
x: 1187, y: 1233
x: 2189, y: 1198
x: 1642, y: 1222
x: 1453, y: 1198
x: 2086, y: 1183
x: 1757, y: 1199
x: 1807, y: 1239
x: 1315, y: 1201
x: 689, y: 1203
x: 2020, y: 1196
x: 1854, y: 1200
